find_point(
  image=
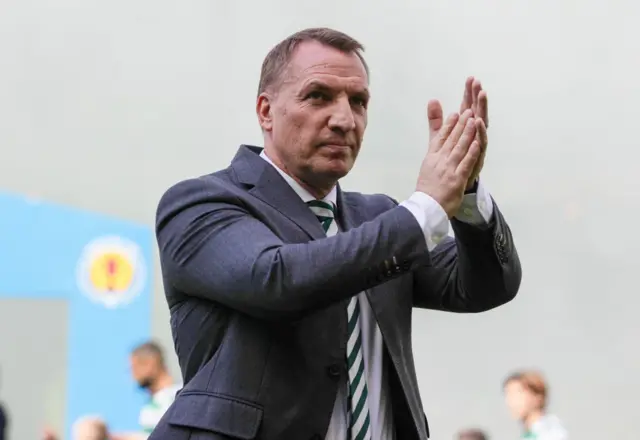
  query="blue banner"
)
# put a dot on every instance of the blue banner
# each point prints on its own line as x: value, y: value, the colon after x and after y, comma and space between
x: 102, y: 267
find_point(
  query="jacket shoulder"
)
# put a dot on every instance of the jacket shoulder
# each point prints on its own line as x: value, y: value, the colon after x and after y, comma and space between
x: 219, y: 186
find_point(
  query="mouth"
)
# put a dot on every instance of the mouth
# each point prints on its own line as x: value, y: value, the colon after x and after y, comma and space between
x: 336, y: 147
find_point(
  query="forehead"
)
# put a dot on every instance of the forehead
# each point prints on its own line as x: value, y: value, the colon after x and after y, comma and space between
x: 513, y: 386
x: 314, y: 60
x: 139, y: 358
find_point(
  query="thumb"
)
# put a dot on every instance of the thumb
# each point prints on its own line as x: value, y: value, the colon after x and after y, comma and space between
x: 434, y: 115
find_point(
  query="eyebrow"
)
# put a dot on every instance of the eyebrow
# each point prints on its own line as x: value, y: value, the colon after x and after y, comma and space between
x: 320, y: 85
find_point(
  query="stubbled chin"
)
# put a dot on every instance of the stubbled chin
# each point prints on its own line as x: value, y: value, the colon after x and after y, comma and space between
x: 338, y: 167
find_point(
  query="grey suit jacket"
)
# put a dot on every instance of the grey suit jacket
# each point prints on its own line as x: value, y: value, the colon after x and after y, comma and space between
x: 258, y: 297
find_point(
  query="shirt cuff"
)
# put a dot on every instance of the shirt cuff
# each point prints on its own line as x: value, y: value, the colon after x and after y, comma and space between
x: 430, y: 216
x: 476, y: 208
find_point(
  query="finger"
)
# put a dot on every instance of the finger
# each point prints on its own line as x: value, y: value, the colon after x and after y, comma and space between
x: 482, y: 139
x: 457, y: 131
x: 434, y: 115
x: 483, y: 107
x: 481, y: 132
x: 468, y: 162
x: 477, y: 169
x: 461, y: 148
x: 479, y: 164
x: 476, y: 87
x: 440, y: 138
x: 467, y: 99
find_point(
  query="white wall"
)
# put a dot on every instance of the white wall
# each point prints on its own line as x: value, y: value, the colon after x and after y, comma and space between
x: 104, y: 104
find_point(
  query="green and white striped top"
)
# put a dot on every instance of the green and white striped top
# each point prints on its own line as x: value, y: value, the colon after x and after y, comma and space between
x: 548, y: 427
x: 159, y: 403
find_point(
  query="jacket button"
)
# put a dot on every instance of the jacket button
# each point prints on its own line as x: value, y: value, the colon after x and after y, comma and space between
x: 333, y: 370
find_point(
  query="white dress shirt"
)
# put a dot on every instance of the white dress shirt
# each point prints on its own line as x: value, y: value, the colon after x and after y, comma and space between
x: 475, y: 209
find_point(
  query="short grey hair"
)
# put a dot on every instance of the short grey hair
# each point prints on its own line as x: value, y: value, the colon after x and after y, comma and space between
x: 279, y: 57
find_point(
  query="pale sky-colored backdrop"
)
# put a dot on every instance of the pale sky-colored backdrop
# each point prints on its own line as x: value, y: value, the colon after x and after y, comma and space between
x: 104, y: 104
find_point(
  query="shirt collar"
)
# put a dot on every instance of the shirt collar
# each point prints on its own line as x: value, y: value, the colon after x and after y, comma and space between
x: 332, y: 197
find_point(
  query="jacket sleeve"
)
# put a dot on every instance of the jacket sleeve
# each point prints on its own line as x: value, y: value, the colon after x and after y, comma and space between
x: 477, y: 271
x: 211, y: 247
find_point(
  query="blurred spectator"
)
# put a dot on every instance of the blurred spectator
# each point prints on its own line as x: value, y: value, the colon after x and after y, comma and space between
x: 49, y: 434
x: 149, y: 369
x: 472, y: 434
x: 526, y: 395
x: 85, y: 428
x: 3, y: 423
x: 90, y: 428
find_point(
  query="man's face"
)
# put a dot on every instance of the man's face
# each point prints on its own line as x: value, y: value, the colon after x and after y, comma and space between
x: 315, y: 118
x: 143, y: 370
x: 520, y: 401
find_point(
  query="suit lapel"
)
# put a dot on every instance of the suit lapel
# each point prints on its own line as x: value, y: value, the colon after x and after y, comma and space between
x: 267, y: 185
x: 351, y: 216
x: 348, y: 215
x: 382, y: 300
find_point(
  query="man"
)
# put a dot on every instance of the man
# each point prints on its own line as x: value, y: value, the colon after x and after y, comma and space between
x: 472, y: 434
x: 149, y: 370
x: 290, y: 298
x: 526, y: 397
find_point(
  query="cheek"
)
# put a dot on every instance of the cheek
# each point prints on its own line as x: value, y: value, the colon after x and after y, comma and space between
x: 362, y: 122
x: 140, y: 371
x: 293, y: 127
x: 515, y: 403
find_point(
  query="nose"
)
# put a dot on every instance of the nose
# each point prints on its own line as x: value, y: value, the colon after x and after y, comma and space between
x: 342, y: 119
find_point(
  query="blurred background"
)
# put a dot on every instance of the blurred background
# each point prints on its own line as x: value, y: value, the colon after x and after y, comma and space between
x: 104, y: 105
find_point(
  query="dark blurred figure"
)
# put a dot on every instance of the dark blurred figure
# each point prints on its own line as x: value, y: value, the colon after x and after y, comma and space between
x: 526, y: 395
x: 472, y: 434
x: 3, y: 423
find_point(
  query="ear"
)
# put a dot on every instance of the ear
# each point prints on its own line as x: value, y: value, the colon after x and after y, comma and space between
x: 264, y: 111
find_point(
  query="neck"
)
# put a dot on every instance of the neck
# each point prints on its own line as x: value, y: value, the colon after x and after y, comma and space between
x: 163, y: 380
x: 532, y: 418
x: 315, y: 191
x: 319, y: 191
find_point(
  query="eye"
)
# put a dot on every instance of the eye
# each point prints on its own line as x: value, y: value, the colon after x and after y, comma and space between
x: 357, y: 100
x: 317, y: 95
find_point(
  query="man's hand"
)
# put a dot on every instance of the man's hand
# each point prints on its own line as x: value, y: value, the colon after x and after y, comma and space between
x: 475, y: 99
x: 452, y: 156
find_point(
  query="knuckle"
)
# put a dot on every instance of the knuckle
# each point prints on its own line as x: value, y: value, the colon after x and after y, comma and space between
x: 451, y: 180
x: 452, y: 161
